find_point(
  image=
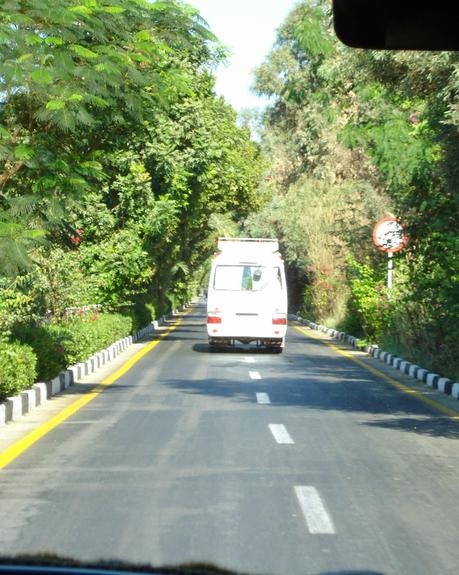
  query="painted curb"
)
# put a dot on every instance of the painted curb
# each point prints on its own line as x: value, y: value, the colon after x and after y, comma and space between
x: 434, y: 380
x: 13, y: 408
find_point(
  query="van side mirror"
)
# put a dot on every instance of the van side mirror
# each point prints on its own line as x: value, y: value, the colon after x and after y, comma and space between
x: 397, y: 25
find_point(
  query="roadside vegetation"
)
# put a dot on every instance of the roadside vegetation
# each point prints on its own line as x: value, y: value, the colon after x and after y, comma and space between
x: 353, y: 136
x: 119, y: 167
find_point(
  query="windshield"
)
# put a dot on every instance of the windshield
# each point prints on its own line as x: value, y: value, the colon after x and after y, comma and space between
x: 247, y: 278
x: 229, y: 289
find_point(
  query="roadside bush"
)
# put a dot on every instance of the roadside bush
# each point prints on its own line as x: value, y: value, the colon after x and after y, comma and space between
x: 47, y: 342
x: 92, y: 332
x: 368, y: 308
x: 74, y: 339
x: 421, y: 333
x: 17, y: 368
x: 142, y: 314
x: 323, y: 296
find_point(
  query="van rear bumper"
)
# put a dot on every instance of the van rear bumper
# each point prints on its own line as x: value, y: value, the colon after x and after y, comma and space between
x: 264, y: 331
x: 260, y: 341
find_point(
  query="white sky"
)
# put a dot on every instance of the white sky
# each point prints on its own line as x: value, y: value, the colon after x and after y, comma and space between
x: 248, y: 29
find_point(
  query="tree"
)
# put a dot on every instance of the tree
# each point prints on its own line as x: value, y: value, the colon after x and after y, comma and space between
x: 75, y: 79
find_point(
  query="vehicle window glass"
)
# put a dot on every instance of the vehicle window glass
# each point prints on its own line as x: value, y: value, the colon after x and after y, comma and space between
x: 247, y: 278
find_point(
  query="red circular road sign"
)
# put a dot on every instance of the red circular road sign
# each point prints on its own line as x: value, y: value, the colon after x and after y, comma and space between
x: 389, y: 235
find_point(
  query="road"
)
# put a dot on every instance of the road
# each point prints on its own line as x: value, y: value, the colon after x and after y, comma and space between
x: 299, y: 463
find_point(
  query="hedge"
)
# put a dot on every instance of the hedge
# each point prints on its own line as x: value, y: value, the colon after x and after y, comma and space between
x: 92, y: 333
x: 58, y: 345
x: 17, y: 368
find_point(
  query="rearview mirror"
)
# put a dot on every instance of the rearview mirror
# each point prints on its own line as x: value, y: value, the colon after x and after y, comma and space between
x: 397, y: 24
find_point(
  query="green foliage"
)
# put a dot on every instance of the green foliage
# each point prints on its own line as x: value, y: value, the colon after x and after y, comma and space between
x: 141, y: 314
x: 368, y: 306
x: 74, y: 339
x: 17, y: 307
x: 322, y: 296
x: 63, y: 281
x: 17, y: 368
x: 119, y: 166
x: 120, y: 267
x: 16, y: 242
x: 312, y: 33
x: 386, y: 123
x: 47, y: 342
x: 425, y: 325
x: 92, y: 332
x: 76, y: 81
x: 63, y: 64
x: 319, y: 225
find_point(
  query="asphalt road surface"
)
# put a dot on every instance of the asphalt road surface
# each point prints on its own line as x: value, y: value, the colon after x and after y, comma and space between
x: 298, y: 463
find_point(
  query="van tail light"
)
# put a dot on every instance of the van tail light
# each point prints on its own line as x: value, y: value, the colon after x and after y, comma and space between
x: 279, y: 319
x: 214, y: 317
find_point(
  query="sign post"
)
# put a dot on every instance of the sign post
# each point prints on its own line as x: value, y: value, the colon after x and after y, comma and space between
x: 390, y: 268
x: 389, y: 236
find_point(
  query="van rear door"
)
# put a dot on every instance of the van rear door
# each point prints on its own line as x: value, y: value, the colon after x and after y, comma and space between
x: 249, y: 300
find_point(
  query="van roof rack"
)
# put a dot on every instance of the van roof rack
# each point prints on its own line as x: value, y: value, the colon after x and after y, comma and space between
x: 270, y: 244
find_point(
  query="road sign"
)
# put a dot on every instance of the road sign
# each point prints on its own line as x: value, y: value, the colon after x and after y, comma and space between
x: 389, y: 235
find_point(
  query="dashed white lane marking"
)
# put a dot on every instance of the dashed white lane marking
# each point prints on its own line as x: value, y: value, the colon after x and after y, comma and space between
x: 249, y: 359
x: 317, y: 519
x: 254, y: 375
x: 281, y: 435
x: 263, y: 398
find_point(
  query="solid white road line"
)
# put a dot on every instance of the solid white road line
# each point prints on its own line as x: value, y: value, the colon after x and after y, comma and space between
x: 281, y: 435
x: 263, y: 398
x: 254, y: 375
x: 317, y: 519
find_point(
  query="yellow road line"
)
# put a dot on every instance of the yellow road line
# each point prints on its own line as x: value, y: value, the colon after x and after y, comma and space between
x: 405, y: 388
x: 23, y: 444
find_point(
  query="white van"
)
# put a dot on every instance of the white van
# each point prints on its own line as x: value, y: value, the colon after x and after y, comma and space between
x: 247, y: 295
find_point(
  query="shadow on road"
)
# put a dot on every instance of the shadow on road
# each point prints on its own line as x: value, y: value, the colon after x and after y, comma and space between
x: 329, y: 384
x: 440, y: 426
x: 237, y: 349
x: 313, y: 379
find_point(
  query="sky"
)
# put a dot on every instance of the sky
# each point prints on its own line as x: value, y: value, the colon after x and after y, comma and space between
x: 248, y: 29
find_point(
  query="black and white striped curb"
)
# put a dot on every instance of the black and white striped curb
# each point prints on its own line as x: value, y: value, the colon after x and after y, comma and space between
x: 15, y: 407
x: 412, y: 370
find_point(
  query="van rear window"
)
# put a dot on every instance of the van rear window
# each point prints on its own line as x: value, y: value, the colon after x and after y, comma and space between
x: 247, y: 278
